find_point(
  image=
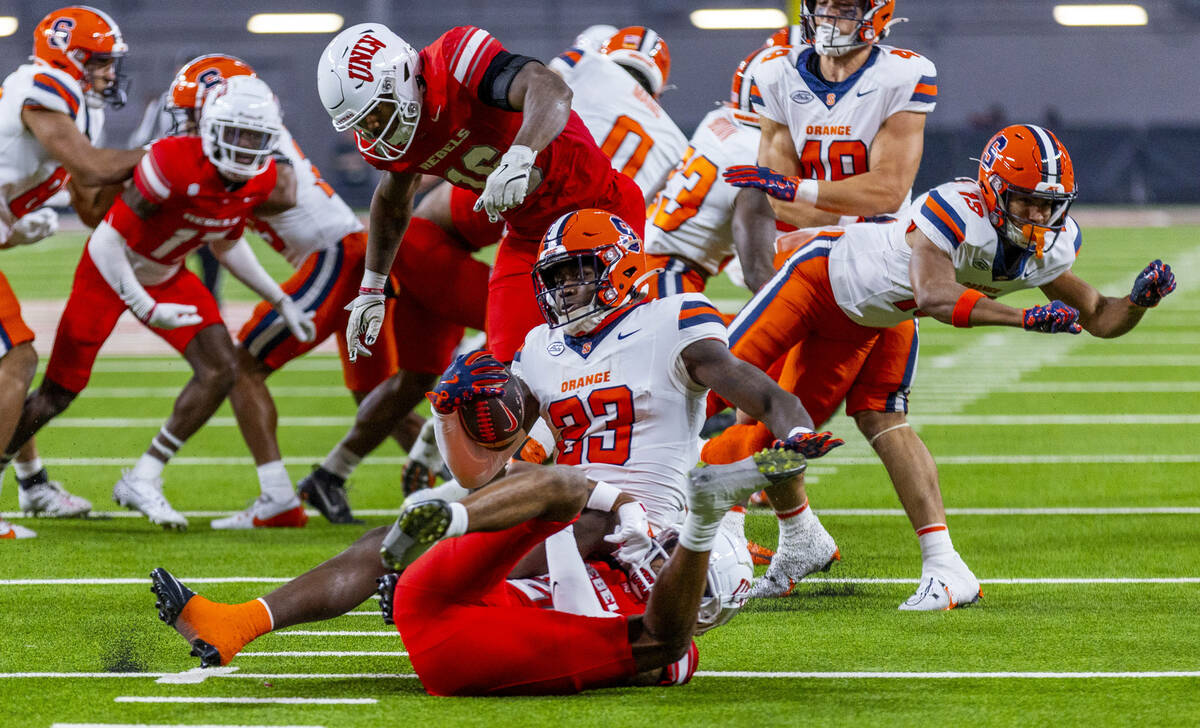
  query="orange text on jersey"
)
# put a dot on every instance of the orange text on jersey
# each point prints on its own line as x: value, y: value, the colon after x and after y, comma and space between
x: 597, y: 378
x: 836, y: 130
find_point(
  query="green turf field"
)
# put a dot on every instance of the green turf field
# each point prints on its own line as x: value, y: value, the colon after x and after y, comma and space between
x: 1069, y: 465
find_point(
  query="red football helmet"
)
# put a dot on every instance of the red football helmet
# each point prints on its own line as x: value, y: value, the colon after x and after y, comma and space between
x: 590, y: 266
x: 192, y: 83
x: 874, y: 19
x: 69, y: 38
x: 744, y: 92
x: 1028, y: 161
x: 643, y: 53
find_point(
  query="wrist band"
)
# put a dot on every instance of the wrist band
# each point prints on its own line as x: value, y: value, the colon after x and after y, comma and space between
x: 807, y: 191
x: 374, y: 280
x: 603, y: 496
x: 963, y: 307
x: 799, y: 431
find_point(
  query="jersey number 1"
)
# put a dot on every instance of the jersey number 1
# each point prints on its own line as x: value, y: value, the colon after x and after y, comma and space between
x: 573, y: 419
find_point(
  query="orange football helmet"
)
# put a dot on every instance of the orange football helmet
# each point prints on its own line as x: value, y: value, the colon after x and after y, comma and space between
x: 192, y: 83
x: 822, y: 32
x: 643, y: 53
x: 1028, y: 161
x: 70, y: 37
x: 789, y: 35
x: 591, y: 265
x: 744, y: 92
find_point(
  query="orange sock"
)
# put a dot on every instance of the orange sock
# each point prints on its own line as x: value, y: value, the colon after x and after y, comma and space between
x: 736, y: 443
x: 228, y: 627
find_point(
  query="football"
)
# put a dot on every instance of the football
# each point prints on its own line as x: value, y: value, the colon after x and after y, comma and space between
x: 494, y: 421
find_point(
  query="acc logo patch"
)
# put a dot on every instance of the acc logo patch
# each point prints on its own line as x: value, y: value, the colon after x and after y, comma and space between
x: 556, y: 348
x: 60, y: 33
x: 802, y: 97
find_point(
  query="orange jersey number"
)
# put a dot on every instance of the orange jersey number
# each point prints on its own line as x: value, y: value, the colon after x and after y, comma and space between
x: 622, y: 128
x: 843, y: 158
x: 573, y: 420
x: 700, y: 173
x: 322, y: 184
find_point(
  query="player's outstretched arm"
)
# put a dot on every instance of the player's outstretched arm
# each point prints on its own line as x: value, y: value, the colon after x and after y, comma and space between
x: 753, y: 229
x: 88, y: 165
x: 745, y: 386
x: 1107, y: 317
x: 939, y: 295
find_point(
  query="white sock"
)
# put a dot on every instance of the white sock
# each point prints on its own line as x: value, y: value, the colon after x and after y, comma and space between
x: 697, y: 534
x: 794, y: 522
x: 458, y: 520
x: 935, y: 541
x: 341, y: 462
x: 148, y: 467
x: 274, y: 482
x: 450, y: 491
x: 735, y: 520
x: 24, y: 470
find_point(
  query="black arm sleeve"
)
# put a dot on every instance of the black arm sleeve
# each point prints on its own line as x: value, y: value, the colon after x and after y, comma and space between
x: 493, y: 87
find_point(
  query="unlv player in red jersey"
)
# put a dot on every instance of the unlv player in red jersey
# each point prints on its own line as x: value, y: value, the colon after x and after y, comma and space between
x: 484, y: 119
x: 187, y: 192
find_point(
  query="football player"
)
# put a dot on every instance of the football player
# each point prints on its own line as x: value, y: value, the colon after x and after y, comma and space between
x: 187, y: 191
x: 849, y: 295
x: 615, y: 91
x: 468, y: 111
x: 51, y: 110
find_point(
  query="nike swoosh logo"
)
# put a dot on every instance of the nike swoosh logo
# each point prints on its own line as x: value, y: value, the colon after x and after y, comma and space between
x: 512, y: 420
x: 870, y: 91
x: 627, y: 334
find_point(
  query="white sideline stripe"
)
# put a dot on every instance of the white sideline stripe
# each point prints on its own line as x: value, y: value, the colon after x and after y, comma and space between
x: 390, y: 460
x: 117, y: 422
x: 250, y: 675
x: 336, y: 633
x: 252, y: 701
x: 389, y: 633
x: 1051, y: 580
x: 173, y: 725
x: 1127, y: 360
x: 948, y: 675
x: 325, y: 654
x: 1075, y: 387
x: 173, y: 392
x: 179, y: 364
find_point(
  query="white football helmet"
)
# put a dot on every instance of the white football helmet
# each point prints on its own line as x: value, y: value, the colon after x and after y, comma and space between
x: 240, y: 125
x: 593, y: 37
x: 367, y: 79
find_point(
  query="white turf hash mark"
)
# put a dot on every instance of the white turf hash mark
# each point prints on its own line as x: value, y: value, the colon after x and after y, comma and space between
x: 173, y: 725
x: 810, y: 580
x: 252, y: 701
x: 861, y: 675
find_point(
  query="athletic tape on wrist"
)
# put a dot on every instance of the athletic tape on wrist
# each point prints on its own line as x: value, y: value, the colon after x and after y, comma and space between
x: 603, y: 497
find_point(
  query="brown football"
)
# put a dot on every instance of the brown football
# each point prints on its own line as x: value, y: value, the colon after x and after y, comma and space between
x: 494, y: 421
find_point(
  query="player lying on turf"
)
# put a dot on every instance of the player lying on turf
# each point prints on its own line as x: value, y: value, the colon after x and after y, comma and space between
x: 452, y: 599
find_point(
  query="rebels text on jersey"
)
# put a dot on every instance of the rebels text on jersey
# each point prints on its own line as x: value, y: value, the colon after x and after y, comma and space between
x: 834, y: 124
x: 195, y: 206
x: 461, y: 138
x: 868, y: 265
x: 609, y: 583
x: 621, y: 403
x: 631, y: 128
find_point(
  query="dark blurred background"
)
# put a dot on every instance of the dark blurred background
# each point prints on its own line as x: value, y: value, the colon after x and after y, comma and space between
x: 1124, y: 100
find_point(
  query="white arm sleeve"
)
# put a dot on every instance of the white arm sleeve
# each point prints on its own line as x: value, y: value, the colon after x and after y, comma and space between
x: 239, y: 260
x: 107, y: 250
x: 472, y: 464
x: 570, y: 586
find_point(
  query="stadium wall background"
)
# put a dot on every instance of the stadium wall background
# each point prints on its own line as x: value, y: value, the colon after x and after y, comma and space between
x: 1122, y: 99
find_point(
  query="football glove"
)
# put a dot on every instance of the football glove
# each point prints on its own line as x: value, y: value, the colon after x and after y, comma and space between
x: 508, y: 183
x: 37, y: 225
x: 777, y: 185
x: 172, y: 316
x: 632, y: 533
x: 366, y: 317
x: 477, y: 374
x: 1154, y: 282
x: 1051, y: 318
x: 298, y: 321
x: 808, y: 443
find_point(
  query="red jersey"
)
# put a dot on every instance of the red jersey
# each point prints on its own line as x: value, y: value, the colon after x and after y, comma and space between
x: 195, y: 205
x: 461, y: 139
x: 610, y: 583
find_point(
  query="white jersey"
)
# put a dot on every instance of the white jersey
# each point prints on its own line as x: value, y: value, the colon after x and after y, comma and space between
x: 29, y: 176
x: 320, y: 218
x: 693, y: 215
x: 868, y: 264
x: 627, y: 123
x: 621, y: 403
x: 834, y: 124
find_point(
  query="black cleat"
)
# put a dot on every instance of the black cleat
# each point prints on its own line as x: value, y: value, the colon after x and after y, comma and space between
x: 327, y: 493
x: 387, y: 590
x: 171, y: 596
x: 419, y: 526
x: 416, y: 476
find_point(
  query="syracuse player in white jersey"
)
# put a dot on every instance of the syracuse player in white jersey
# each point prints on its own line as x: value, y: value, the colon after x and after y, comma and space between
x: 699, y: 221
x: 847, y: 293
x: 615, y: 93
x: 51, y: 113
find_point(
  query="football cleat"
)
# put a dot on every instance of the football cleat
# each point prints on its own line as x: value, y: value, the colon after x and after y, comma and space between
x: 424, y: 461
x: 387, y: 594
x: 714, y: 489
x: 265, y: 513
x: 10, y: 531
x: 327, y: 493
x: 146, y: 496
x: 171, y: 596
x: 811, y: 551
x: 50, y: 499
x: 945, y: 584
x: 419, y: 526
x: 761, y: 555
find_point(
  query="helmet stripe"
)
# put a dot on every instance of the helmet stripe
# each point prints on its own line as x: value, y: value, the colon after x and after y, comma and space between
x: 649, y: 38
x: 1049, y: 152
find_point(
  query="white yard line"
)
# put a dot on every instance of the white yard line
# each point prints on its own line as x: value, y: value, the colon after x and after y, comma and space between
x: 110, y: 423
x: 174, y: 725
x: 389, y: 633
x: 173, y: 392
x: 337, y: 633
x: 948, y: 675
x: 249, y: 701
x: 324, y: 653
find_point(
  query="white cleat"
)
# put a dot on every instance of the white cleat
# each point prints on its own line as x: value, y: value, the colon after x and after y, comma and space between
x: 147, y: 496
x: 50, y: 499
x: 945, y: 584
x: 265, y: 513
x: 10, y: 531
x: 811, y: 551
x: 714, y: 489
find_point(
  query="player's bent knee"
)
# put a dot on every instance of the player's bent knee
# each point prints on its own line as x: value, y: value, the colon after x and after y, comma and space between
x: 20, y: 363
x: 566, y: 490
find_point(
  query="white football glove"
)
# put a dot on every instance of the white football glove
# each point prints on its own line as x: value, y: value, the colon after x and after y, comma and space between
x: 172, y: 316
x: 299, y: 321
x: 37, y: 225
x: 508, y: 183
x: 366, y: 317
x: 633, y: 533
